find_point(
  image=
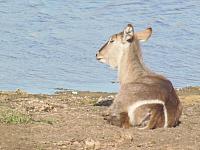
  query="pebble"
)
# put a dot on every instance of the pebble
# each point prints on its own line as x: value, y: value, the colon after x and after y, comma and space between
x: 91, y: 144
x: 74, y: 92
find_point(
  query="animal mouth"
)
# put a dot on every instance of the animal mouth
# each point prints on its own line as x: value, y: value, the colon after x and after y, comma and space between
x: 98, y: 58
x: 101, y: 60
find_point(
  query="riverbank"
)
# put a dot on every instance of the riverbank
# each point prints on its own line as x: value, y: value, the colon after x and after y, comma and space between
x: 73, y: 120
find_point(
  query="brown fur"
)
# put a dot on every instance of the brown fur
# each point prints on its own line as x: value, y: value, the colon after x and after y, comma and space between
x: 138, y: 83
x: 124, y: 120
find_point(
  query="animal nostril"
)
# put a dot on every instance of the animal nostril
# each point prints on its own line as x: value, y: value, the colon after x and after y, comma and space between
x: 96, y: 55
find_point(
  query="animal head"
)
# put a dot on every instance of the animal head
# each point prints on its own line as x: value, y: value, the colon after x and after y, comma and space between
x: 111, y: 52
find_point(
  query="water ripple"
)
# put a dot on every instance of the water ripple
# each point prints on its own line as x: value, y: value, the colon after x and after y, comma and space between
x: 52, y: 44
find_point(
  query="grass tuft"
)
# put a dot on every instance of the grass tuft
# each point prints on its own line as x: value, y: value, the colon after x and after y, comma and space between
x: 10, y: 116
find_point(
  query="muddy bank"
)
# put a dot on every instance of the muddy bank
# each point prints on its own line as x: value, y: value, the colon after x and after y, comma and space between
x: 73, y: 120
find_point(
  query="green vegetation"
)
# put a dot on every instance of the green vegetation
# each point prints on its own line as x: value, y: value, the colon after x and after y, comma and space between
x: 10, y: 116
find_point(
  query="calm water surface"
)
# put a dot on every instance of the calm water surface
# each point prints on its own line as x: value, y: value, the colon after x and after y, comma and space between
x: 48, y: 44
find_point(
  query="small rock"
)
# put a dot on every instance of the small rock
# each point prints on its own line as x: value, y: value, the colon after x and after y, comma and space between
x: 91, y: 144
x: 76, y: 144
x: 128, y: 136
x: 107, y: 101
x: 74, y: 92
x: 97, y: 145
x: 20, y: 92
x: 64, y: 146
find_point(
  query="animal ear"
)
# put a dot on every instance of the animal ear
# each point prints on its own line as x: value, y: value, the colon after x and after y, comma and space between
x: 128, y: 33
x: 144, y: 35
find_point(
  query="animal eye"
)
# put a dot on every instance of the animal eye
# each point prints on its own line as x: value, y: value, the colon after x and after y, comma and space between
x: 111, y: 41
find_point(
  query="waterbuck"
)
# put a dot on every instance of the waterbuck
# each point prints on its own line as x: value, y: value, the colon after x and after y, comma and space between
x: 146, y: 100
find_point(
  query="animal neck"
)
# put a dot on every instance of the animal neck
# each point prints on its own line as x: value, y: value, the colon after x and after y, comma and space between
x: 131, y: 65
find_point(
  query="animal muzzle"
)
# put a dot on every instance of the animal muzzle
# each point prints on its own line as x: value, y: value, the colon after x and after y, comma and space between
x: 98, y: 57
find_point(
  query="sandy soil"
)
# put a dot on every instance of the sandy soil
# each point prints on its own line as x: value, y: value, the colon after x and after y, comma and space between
x: 70, y: 120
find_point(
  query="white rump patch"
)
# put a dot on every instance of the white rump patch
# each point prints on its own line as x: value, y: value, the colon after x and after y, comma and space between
x: 134, y: 106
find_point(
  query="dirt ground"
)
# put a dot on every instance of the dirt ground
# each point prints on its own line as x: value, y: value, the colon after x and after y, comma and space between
x: 70, y: 120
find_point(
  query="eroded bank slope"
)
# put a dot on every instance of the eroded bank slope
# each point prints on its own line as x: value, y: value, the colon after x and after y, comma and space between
x: 69, y: 120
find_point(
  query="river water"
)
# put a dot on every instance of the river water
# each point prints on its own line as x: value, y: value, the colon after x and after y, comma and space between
x: 46, y: 45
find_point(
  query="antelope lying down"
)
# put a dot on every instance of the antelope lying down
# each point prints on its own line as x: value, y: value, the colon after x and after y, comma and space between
x: 146, y: 99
